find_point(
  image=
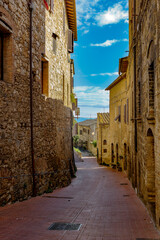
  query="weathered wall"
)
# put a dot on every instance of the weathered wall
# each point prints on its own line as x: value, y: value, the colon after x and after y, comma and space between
x: 144, y: 35
x: 52, y: 121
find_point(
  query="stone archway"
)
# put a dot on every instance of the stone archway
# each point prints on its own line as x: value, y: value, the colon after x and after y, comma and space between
x: 125, y: 156
x: 112, y: 153
x: 150, y: 170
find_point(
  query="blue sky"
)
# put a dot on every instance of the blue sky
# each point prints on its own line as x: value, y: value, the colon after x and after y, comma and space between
x: 102, y: 40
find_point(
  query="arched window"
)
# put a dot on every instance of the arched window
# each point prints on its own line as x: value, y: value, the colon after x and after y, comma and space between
x: 151, y: 85
x: 104, y: 142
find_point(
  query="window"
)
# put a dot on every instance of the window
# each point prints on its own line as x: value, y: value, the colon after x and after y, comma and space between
x: 68, y: 95
x: 125, y: 113
x: 88, y: 131
x: 105, y: 150
x: 54, y: 42
x: 64, y: 20
x: 119, y: 114
x: 63, y: 88
x: 84, y: 130
x: 139, y: 98
x: 49, y: 4
x: 151, y: 85
x: 80, y: 132
x: 1, y: 57
x: 44, y: 76
x: 70, y: 41
x: 6, y: 51
x: 104, y: 142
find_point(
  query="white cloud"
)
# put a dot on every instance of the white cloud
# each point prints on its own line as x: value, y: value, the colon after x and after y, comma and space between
x: 86, y: 31
x: 76, y: 44
x: 108, y: 43
x: 105, y: 74
x: 85, y: 11
x: 113, y: 15
x: 87, y: 100
x: 105, y: 44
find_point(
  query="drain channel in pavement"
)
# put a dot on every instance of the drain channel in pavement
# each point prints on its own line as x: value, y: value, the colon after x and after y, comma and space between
x: 126, y: 195
x: 146, y: 239
x: 65, y: 226
x: 123, y: 184
x: 58, y: 197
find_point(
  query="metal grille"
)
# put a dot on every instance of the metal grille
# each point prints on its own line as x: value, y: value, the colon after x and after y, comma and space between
x: 65, y: 226
x: 146, y: 239
x: 58, y: 197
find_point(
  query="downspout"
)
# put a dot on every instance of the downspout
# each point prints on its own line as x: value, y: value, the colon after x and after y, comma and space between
x: 135, y: 91
x: 101, y: 143
x: 135, y: 94
x: 31, y: 98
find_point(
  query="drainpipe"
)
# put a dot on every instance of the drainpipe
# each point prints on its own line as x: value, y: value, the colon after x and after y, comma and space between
x: 101, y: 143
x: 31, y: 98
x: 135, y: 94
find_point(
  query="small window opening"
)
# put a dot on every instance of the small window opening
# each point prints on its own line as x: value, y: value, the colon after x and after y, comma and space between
x: 44, y: 76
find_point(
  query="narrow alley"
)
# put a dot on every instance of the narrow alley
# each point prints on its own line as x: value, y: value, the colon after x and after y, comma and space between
x: 100, y: 199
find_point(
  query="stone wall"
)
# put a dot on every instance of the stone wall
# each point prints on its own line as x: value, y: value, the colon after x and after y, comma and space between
x: 52, y: 121
x: 145, y: 161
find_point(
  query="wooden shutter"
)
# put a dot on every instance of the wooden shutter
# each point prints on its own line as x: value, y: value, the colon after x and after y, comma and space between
x: 125, y: 113
x: 70, y: 41
x: 52, y: 4
x: 119, y: 113
x: 64, y: 17
x: 127, y: 110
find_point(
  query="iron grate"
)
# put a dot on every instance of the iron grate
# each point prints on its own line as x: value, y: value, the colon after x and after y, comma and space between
x: 65, y: 226
x: 146, y: 239
x: 123, y: 184
x: 58, y: 197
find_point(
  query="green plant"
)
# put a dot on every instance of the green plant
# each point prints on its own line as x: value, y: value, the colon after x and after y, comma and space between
x: 77, y: 150
x: 75, y: 140
x: 73, y: 96
x: 94, y: 143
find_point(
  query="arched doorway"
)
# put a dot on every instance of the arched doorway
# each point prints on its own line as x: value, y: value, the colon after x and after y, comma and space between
x: 112, y: 153
x: 150, y: 170
x: 117, y: 155
x: 125, y: 156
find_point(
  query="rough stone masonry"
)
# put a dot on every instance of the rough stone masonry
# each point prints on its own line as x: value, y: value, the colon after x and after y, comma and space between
x: 52, y: 117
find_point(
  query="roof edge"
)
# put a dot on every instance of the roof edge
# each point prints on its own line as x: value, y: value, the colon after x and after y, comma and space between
x: 122, y: 76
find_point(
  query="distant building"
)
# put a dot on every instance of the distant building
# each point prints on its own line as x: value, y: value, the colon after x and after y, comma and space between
x: 87, y: 131
x: 103, y: 147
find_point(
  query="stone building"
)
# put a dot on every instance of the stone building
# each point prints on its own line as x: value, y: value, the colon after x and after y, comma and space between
x: 103, y: 148
x: 87, y: 131
x: 144, y: 69
x: 36, y: 81
x: 139, y: 139
x: 114, y: 131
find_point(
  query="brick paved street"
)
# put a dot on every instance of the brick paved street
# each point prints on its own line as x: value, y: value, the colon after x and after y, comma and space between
x: 96, y: 199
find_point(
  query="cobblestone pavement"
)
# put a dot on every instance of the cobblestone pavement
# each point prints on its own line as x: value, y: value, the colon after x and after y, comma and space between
x: 96, y: 199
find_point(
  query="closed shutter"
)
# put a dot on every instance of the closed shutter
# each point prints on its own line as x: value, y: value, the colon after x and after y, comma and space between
x: 64, y: 16
x: 70, y: 41
x: 52, y: 4
x: 127, y: 110
x: 125, y: 113
x: 119, y: 113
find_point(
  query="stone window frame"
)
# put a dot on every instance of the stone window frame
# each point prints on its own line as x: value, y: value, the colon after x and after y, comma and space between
x: 104, y: 142
x: 105, y: 150
x: 151, y: 56
x: 49, y: 5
